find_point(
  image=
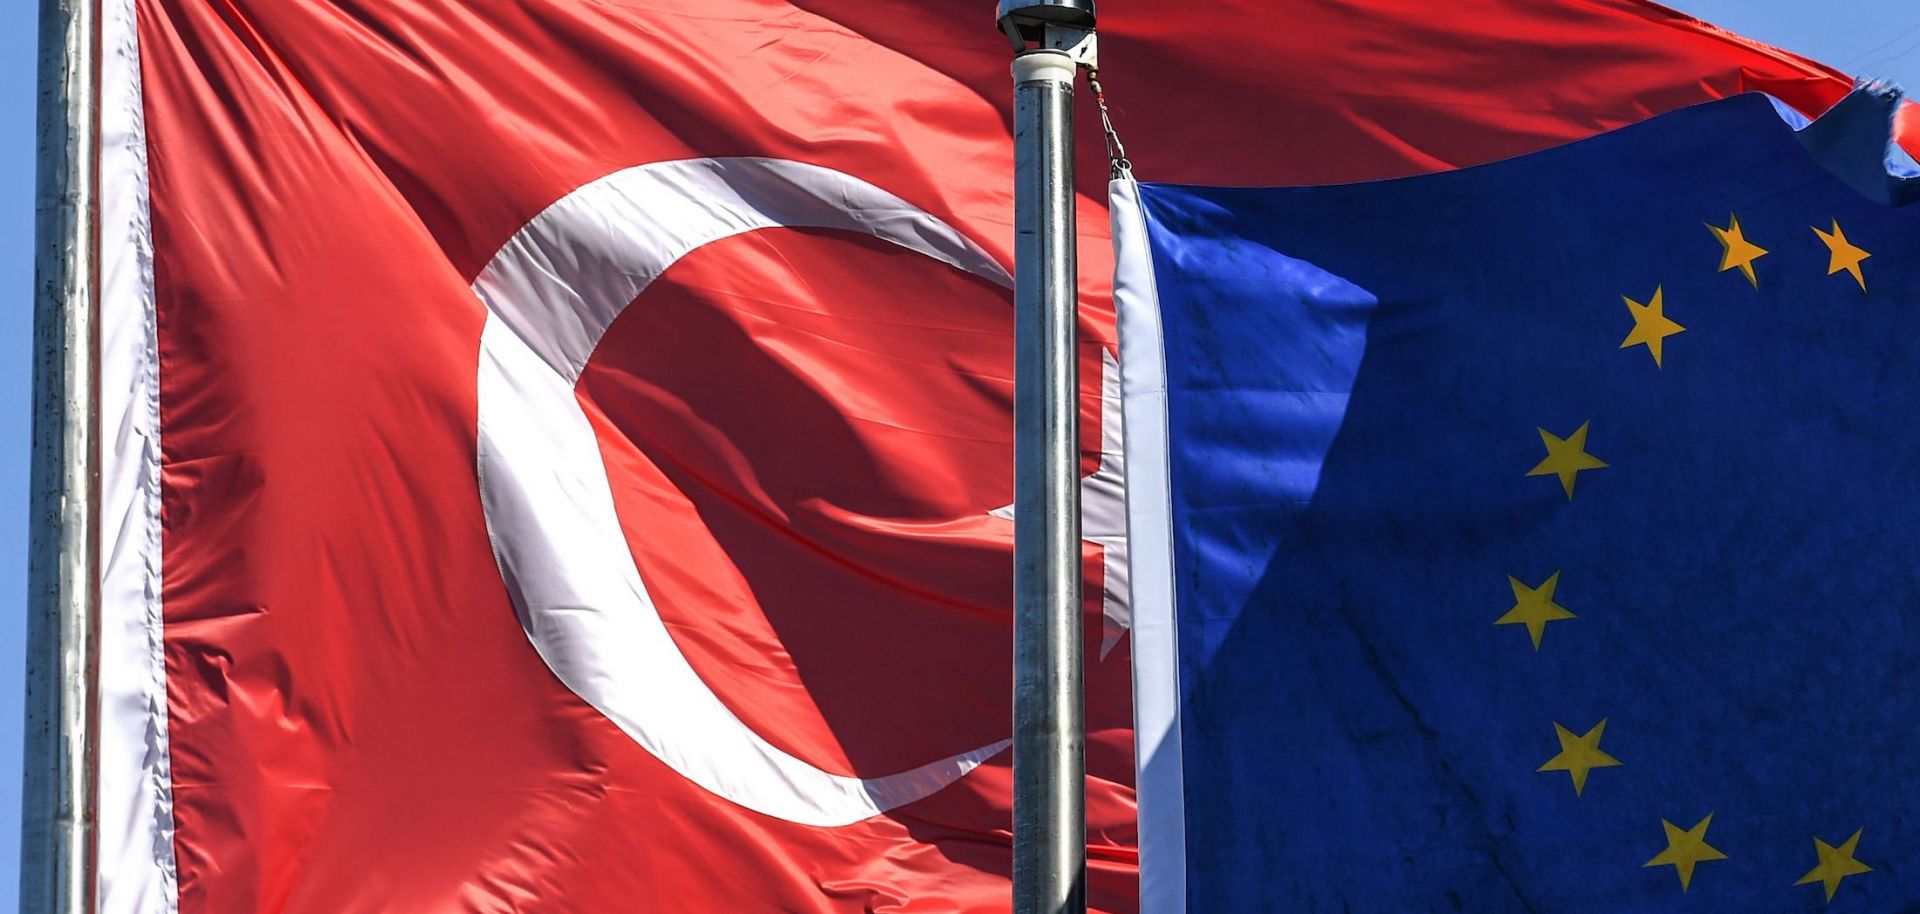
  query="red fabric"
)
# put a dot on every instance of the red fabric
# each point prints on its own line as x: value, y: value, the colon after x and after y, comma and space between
x: 805, y: 430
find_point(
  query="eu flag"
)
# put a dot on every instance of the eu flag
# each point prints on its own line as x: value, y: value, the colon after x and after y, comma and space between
x: 1543, y: 536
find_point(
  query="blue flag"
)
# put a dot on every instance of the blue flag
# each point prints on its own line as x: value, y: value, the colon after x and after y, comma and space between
x: 1542, y: 536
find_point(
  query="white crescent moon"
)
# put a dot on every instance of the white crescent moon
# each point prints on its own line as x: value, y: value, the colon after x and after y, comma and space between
x: 551, y: 292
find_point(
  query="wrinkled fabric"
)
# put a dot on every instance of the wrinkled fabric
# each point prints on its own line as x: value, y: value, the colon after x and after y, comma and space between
x: 804, y: 430
x: 1533, y: 549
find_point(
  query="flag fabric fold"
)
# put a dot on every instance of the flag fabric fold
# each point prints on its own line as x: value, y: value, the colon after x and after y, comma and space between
x: 378, y: 302
x: 1532, y: 536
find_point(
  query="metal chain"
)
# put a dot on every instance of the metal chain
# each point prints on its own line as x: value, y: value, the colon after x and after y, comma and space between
x: 1116, y: 151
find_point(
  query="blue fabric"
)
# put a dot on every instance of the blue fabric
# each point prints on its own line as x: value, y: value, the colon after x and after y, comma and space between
x: 1356, y: 377
x: 1855, y: 141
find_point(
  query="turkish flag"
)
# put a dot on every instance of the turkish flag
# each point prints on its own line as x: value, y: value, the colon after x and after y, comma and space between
x: 582, y: 427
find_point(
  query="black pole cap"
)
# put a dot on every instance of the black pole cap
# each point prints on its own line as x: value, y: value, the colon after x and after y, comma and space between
x: 1027, y: 19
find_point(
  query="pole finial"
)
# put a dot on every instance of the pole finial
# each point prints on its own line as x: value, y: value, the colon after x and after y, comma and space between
x: 1042, y: 23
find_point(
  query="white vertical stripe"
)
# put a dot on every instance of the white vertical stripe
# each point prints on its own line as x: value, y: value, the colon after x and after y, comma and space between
x: 136, y: 872
x: 1156, y: 656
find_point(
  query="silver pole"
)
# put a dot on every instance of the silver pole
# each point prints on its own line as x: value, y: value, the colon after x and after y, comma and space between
x: 1049, y: 719
x: 1049, y: 741
x: 57, y: 817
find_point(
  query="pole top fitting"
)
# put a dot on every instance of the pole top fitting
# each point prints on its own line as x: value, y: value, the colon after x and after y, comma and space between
x: 1056, y: 24
x: 1030, y: 16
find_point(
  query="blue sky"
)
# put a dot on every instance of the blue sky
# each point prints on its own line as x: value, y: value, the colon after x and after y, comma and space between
x: 17, y: 62
x: 1862, y: 37
x: 1866, y: 37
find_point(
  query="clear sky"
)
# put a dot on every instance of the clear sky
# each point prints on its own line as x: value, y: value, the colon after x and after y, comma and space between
x: 17, y: 63
x: 1864, y: 37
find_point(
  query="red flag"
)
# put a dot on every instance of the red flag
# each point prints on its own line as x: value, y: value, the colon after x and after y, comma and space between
x: 560, y: 446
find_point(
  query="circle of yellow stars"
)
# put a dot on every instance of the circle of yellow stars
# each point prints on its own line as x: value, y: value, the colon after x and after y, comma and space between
x: 1535, y: 606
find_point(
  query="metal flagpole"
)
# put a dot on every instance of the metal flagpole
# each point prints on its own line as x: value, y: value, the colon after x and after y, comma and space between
x: 57, y: 818
x: 1051, y: 38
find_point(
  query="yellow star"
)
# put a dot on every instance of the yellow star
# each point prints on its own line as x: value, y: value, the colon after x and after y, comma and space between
x: 1534, y: 607
x: 1685, y: 849
x: 1566, y: 457
x: 1651, y: 326
x: 1843, y: 254
x: 1579, y: 754
x: 1736, y: 250
x: 1836, y: 863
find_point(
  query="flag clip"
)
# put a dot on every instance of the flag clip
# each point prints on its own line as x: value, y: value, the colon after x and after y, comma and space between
x: 1116, y: 150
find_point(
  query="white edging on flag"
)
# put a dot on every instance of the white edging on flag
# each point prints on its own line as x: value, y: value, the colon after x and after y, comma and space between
x: 1156, y: 658
x: 136, y: 871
